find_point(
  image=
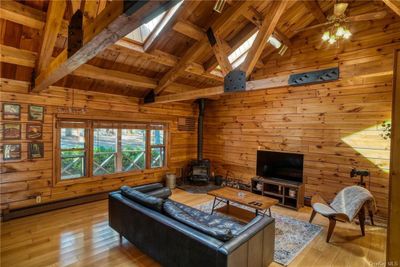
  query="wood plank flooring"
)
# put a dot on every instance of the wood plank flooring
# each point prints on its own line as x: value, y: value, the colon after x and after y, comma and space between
x: 80, y: 236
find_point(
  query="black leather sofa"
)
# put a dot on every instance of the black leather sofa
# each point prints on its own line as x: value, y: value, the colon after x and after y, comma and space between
x: 173, y: 242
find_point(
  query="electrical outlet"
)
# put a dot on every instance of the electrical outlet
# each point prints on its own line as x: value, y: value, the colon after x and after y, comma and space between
x: 38, y: 199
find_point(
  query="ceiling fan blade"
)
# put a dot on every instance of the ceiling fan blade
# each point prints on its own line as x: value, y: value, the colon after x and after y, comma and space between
x: 313, y: 27
x: 368, y: 16
x: 339, y: 9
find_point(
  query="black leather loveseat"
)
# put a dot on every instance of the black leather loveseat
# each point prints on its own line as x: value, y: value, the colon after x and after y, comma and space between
x: 164, y: 231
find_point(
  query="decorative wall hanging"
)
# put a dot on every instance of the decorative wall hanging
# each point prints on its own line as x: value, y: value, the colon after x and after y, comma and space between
x: 34, y: 131
x: 11, y: 111
x: 11, y: 131
x: 36, y: 113
x: 11, y: 151
x: 35, y: 150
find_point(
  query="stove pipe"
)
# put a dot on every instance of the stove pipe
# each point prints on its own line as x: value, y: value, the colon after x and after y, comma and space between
x: 200, y: 129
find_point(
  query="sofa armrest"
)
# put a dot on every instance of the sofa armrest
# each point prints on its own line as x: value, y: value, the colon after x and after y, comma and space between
x: 255, y: 226
x: 148, y: 187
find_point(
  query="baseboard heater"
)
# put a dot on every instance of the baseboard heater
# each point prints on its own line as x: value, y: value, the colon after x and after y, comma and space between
x: 22, y: 212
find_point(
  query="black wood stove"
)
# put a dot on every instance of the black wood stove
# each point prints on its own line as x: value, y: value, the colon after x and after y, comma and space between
x: 200, y: 169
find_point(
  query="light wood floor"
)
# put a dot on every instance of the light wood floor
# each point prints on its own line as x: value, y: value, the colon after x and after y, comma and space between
x: 80, y: 236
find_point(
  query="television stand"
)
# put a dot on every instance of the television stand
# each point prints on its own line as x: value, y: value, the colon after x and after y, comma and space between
x: 289, y: 194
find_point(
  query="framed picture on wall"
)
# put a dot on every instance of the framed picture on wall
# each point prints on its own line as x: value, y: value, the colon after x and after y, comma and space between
x: 36, y: 113
x: 35, y: 150
x: 11, y: 151
x: 11, y: 111
x: 34, y: 131
x: 11, y: 131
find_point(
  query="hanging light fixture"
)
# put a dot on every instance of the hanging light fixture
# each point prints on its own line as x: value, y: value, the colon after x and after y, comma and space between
x: 335, y: 33
x: 219, y: 6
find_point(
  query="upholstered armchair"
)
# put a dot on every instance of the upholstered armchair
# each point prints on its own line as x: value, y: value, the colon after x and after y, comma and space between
x: 348, y: 204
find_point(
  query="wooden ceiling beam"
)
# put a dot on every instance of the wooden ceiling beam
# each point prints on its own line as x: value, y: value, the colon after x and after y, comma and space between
x: 117, y: 20
x: 55, y: 13
x: 196, y: 49
x: 93, y: 72
x: 394, y: 5
x: 17, y: 56
x: 315, y: 9
x: 274, y: 82
x: 162, y: 58
x: 90, y: 8
x: 189, y: 29
x: 219, y: 51
x: 27, y: 16
x: 267, y: 28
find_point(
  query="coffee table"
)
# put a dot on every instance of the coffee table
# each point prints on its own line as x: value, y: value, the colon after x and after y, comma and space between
x: 248, y: 199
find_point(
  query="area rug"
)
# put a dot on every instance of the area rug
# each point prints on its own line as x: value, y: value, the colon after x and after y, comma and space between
x: 291, y: 235
x: 198, y: 189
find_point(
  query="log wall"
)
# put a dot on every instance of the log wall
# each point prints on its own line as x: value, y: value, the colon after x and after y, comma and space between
x: 337, y: 126
x: 22, y: 179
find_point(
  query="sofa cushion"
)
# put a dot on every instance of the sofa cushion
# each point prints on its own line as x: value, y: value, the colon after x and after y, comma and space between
x: 219, y: 227
x: 163, y: 193
x: 151, y: 202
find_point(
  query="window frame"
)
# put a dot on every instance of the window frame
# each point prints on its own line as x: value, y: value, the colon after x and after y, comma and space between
x: 89, y: 148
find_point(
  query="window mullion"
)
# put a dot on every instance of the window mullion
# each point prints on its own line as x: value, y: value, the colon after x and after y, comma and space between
x: 119, y: 150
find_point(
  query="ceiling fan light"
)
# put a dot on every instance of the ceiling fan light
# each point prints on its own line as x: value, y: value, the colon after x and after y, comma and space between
x: 346, y: 34
x: 219, y: 6
x: 332, y: 40
x: 326, y: 36
x: 340, y: 31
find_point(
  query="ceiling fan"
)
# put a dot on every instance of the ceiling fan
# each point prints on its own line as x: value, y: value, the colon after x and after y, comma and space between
x: 337, y: 22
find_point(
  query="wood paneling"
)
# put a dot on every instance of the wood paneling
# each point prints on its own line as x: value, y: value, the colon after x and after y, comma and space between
x: 393, y: 243
x: 337, y: 126
x: 22, y: 180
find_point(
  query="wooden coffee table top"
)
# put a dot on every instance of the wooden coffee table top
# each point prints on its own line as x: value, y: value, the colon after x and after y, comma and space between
x: 232, y: 194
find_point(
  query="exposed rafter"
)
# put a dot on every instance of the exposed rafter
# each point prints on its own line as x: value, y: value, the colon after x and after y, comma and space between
x: 195, y: 50
x: 219, y: 51
x: 315, y: 9
x: 17, y: 56
x: 55, y: 13
x: 189, y: 29
x: 274, y: 82
x: 89, y: 11
x: 90, y: 71
x: 394, y: 5
x: 267, y: 28
x: 25, y: 15
x: 117, y: 20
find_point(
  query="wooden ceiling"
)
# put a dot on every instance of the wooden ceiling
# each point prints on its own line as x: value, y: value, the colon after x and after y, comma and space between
x: 177, y: 60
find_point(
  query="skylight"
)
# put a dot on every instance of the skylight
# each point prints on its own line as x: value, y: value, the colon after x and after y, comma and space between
x: 238, y: 56
x: 155, y: 25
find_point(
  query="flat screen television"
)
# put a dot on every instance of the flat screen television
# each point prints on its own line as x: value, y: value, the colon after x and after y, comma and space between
x: 286, y: 166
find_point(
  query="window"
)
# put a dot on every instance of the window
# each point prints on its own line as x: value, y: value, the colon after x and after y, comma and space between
x: 104, y: 151
x: 114, y: 147
x: 133, y: 149
x: 154, y: 26
x: 157, y: 147
x: 237, y: 57
x: 73, y: 151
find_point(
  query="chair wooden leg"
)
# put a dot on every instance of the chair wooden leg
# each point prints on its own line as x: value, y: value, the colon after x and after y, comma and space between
x: 371, y: 216
x: 332, y: 223
x: 361, y: 218
x: 312, y: 216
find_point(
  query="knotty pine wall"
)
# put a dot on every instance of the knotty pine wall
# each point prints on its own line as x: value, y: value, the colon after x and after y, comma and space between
x: 335, y: 125
x: 22, y: 179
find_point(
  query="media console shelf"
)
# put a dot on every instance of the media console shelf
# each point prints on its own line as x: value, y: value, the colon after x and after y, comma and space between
x: 289, y: 194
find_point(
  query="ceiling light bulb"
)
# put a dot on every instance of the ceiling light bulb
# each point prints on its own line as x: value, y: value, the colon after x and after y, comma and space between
x: 274, y: 42
x: 332, y: 40
x: 325, y: 36
x: 340, y: 31
x: 346, y: 34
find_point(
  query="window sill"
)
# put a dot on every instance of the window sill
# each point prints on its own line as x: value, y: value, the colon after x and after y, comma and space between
x: 60, y: 183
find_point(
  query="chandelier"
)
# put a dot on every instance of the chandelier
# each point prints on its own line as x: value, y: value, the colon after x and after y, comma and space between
x: 336, y: 32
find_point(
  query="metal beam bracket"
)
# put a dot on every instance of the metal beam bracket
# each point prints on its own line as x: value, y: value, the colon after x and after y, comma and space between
x: 150, y: 97
x: 75, y: 33
x: 235, y: 81
x: 318, y: 76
